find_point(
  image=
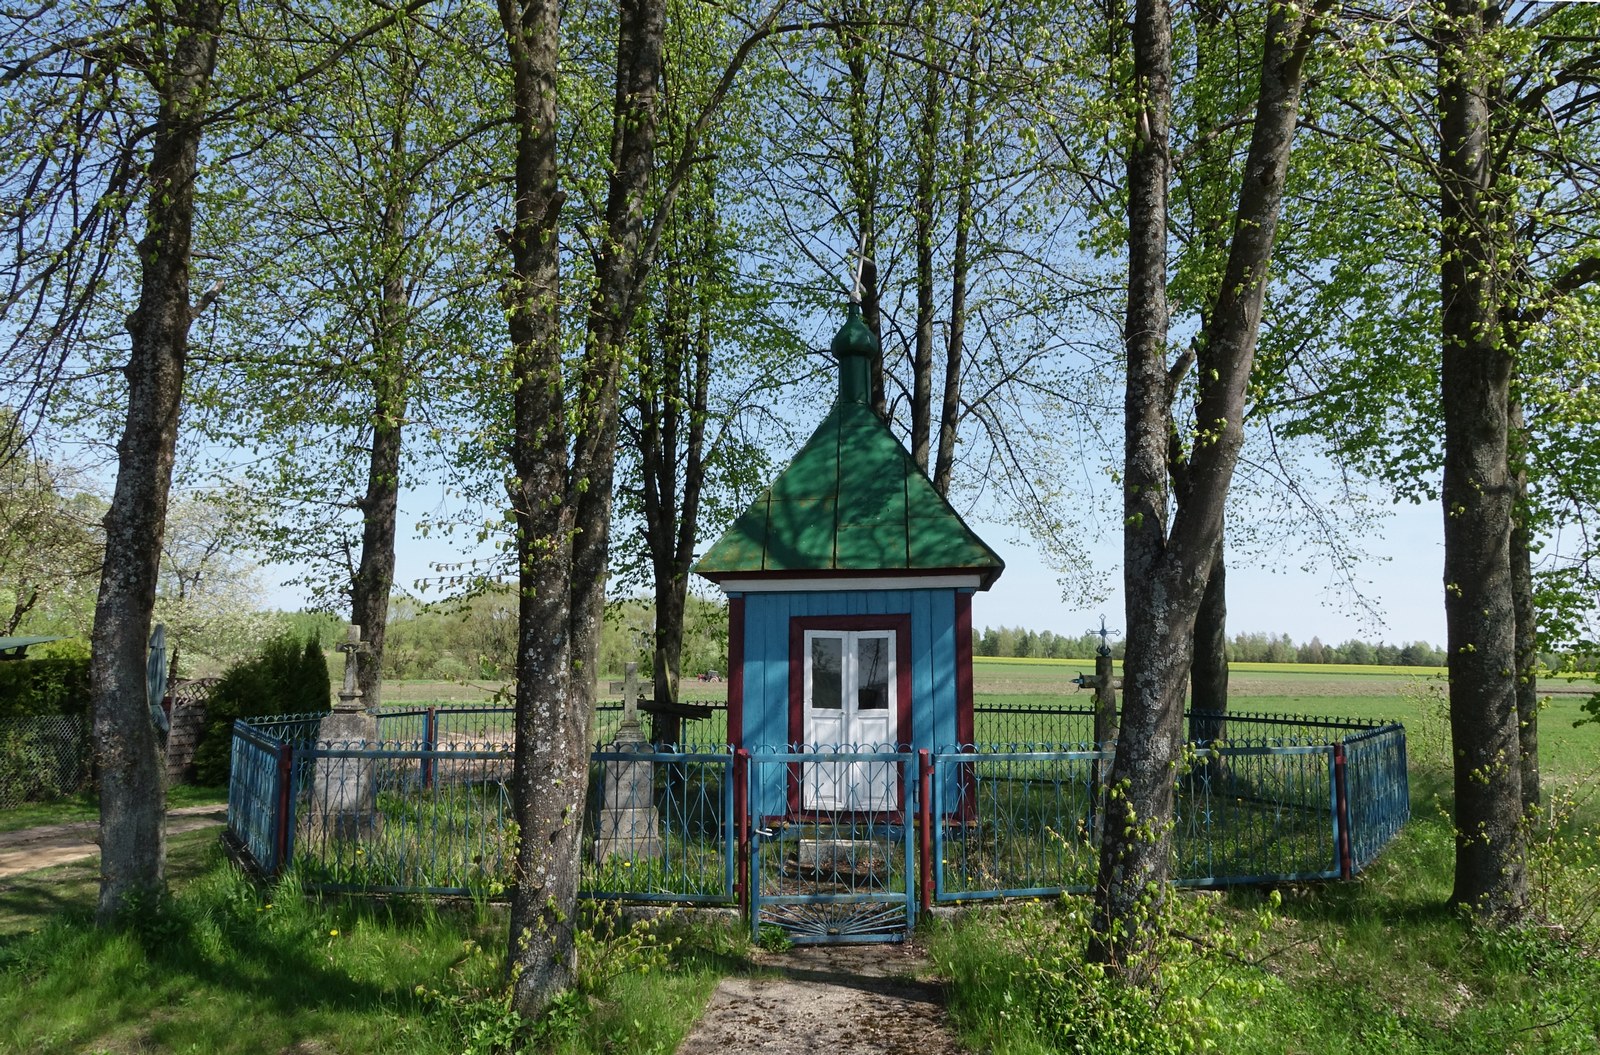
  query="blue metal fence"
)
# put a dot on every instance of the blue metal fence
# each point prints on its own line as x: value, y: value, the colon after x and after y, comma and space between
x: 658, y: 826
x: 258, y: 803
x: 387, y: 816
x: 1013, y: 823
x: 1280, y: 798
x: 1379, y: 791
x: 829, y: 847
x: 1257, y: 814
x: 436, y: 817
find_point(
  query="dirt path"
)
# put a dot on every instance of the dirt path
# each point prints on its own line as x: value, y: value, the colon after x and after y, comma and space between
x: 826, y: 1000
x: 57, y: 844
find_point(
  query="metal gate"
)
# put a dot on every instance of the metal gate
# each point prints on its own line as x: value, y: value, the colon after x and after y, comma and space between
x: 829, y: 852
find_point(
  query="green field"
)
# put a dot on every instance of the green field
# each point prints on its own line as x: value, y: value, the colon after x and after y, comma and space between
x: 1415, y: 696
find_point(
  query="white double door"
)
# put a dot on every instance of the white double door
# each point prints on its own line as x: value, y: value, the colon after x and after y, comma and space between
x: 850, y: 705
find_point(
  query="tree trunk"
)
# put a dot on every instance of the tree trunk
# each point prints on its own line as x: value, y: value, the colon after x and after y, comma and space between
x: 128, y: 751
x: 673, y: 425
x: 619, y: 272
x: 922, y: 352
x: 667, y: 659
x: 1480, y: 615
x: 1133, y: 864
x: 564, y: 546
x: 1208, y: 677
x: 1527, y: 615
x: 955, y: 350
x: 862, y: 172
x: 374, y: 580
x: 1165, y: 576
x: 549, y: 765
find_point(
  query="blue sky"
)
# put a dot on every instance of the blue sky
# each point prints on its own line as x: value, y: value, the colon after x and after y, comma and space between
x: 1404, y: 582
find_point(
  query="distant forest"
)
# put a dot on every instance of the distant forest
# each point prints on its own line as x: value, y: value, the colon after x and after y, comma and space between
x: 1243, y: 648
x: 475, y: 638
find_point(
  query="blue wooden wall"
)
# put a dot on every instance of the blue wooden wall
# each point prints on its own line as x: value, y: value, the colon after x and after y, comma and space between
x: 766, y: 664
x: 933, y: 658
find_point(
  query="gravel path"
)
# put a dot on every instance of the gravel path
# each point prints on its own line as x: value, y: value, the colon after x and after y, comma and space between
x: 57, y: 844
x: 826, y: 1000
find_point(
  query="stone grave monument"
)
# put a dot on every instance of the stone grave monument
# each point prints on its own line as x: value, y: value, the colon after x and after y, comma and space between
x: 628, y: 825
x: 344, y: 798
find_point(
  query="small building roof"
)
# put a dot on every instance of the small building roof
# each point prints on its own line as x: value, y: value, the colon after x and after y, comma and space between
x: 851, y: 502
x: 17, y: 647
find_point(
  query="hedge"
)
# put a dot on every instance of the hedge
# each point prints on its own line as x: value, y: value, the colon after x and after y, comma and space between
x: 32, y: 687
x: 290, y: 676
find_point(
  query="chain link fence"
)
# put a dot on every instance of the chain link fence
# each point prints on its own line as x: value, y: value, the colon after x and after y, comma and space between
x: 42, y: 758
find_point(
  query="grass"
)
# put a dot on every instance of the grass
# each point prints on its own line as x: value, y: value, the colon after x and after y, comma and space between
x: 1379, y: 963
x: 32, y: 900
x: 230, y: 968
x: 1376, y: 964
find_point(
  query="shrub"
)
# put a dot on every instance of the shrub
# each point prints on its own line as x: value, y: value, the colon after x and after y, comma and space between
x: 32, y: 687
x: 290, y: 676
x: 1021, y: 974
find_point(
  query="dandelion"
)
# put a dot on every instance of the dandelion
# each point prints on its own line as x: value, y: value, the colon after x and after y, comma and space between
x: 333, y: 934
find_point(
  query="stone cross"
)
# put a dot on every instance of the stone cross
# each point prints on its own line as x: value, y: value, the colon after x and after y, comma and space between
x: 629, y: 826
x: 630, y: 731
x: 350, y: 693
x: 344, y: 790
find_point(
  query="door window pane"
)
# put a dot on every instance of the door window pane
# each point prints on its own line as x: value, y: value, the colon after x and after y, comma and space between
x: 827, y: 674
x: 872, y: 674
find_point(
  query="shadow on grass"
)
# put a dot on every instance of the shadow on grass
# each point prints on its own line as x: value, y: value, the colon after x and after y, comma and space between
x: 284, y: 972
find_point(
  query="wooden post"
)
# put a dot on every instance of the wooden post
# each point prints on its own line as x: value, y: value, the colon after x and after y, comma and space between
x: 925, y: 819
x: 741, y: 812
x: 285, y: 811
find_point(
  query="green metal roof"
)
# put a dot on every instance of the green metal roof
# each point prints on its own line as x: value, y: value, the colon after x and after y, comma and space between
x: 852, y: 501
x: 16, y: 647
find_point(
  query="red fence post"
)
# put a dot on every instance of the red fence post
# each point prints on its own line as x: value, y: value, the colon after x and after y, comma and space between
x: 741, y: 812
x: 925, y: 822
x: 1341, y: 796
x: 285, y: 817
x: 430, y: 733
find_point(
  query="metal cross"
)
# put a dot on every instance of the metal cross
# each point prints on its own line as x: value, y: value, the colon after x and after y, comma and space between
x: 1105, y: 637
x: 861, y: 265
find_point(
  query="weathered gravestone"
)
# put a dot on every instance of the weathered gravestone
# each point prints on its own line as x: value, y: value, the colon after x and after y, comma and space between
x: 343, y: 797
x: 628, y: 825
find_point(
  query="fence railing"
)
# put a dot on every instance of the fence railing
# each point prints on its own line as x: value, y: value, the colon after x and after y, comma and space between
x: 42, y: 758
x: 496, y: 722
x: 434, y: 816
x: 1030, y: 726
x: 658, y: 826
x: 260, y: 793
x: 1379, y: 797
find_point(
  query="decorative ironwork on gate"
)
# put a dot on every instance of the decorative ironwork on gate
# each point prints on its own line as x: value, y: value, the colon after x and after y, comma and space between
x: 830, y: 859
